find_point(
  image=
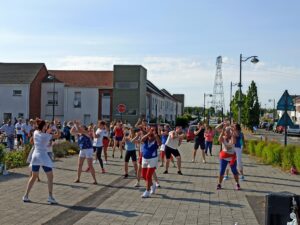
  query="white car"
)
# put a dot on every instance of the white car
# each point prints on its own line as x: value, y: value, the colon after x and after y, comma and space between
x: 293, y: 129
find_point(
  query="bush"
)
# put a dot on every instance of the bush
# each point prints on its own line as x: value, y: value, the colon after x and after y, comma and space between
x: 216, y: 138
x: 297, y: 158
x: 259, y: 147
x: 251, y: 146
x: 2, y: 153
x: 61, y: 149
x: 274, y: 156
x: 287, y: 157
x: 15, y: 159
x: 267, y: 151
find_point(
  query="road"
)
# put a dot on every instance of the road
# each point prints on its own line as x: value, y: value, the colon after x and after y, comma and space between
x: 270, y: 135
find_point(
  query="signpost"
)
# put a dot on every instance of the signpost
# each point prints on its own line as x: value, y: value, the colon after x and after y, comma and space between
x: 285, y: 103
x: 121, y: 109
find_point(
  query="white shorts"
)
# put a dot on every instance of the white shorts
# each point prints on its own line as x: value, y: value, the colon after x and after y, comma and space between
x: 239, y: 162
x: 162, y: 147
x: 149, y: 163
x: 86, y: 153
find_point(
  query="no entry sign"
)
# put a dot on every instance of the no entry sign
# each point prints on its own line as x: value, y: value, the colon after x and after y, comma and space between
x: 121, y: 108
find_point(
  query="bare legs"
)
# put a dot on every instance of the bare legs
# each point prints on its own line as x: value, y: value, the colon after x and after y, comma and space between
x: 90, y: 165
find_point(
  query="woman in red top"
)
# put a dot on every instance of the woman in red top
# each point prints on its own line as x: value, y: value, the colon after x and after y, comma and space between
x: 118, y: 130
x: 209, y: 136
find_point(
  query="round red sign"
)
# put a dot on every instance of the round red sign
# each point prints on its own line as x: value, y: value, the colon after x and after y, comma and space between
x: 121, y: 108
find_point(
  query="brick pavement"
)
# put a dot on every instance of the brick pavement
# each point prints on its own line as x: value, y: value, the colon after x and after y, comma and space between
x: 188, y: 199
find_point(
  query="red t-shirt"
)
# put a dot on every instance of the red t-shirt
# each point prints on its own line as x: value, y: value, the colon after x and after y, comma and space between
x: 119, y: 132
x: 209, y: 136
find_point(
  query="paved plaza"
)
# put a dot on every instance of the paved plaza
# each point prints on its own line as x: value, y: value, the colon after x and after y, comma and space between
x: 188, y: 199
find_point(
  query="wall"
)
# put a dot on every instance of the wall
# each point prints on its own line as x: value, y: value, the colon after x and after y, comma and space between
x: 47, y: 109
x: 14, y: 104
x: 89, y: 104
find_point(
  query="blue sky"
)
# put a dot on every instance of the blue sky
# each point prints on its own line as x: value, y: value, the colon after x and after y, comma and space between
x: 171, y: 38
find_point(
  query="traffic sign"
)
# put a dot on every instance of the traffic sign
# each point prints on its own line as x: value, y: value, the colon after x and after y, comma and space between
x: 286, y: 102
x: 121, y: 108
x: 285, y: 120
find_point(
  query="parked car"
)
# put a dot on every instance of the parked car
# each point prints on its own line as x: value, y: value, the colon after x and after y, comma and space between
x: 190, y: 133
x: 278, y: 129
x: 293, y: 129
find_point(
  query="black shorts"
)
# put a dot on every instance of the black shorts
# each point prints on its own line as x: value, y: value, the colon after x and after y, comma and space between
x: 199, y: 143
x: 130, y: 154
x: 171, y: 151
x: 19, y: 138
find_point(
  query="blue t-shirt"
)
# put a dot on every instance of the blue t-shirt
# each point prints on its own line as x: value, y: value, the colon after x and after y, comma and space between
x: 129, y: 146
x: 164, y: 139
x: 84, y: 142
x: 239, y: 140
x: 150, y: 150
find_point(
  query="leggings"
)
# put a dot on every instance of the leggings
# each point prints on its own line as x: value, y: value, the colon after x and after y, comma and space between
x: 147, y: 173
x: 98, y: 153
x: 208, y: 146
x: 223, y: 165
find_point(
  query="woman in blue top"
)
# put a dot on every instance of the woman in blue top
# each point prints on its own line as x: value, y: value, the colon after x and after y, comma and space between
x: 239, y: 148
x: 130, y: 139
x: 86, y: 150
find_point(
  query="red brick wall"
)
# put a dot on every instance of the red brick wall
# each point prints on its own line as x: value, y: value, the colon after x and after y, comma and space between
x: 36, y: 92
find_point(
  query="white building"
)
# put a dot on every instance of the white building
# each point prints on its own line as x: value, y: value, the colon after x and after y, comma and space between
x: 20, y: 90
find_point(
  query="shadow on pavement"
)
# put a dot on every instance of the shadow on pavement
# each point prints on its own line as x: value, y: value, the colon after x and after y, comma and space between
x: 13, y: 175
x: 70, y: 185
x: 274, y: 178
x: 164, y: 196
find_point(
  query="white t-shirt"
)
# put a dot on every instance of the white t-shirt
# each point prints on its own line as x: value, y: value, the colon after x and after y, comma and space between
x: 98, y: 142
x: 172, y: 143
x: 40, y: 155
x: 18, y: 127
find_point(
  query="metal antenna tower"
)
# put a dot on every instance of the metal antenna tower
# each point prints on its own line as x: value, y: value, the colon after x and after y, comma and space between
x: 218, y: 94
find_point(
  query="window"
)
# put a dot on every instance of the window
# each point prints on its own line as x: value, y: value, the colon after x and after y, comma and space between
x: 17, y: 92
x: 126, y: 85
x: 105, y: 106
x: 7, y: 116
x: 21, y: 115
x: 86, y: 119
x: 77, y: 99
x: 50, y: 98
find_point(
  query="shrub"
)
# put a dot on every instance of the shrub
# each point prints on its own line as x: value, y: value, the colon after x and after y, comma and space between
x: 259, y: 147
x: 216, y: 138
x: 251, y: 146
x: 15, y: 159
x: 2, y: 153
x: 297, y: 158
x: 274, y: 156
x: 287, y: 157
x: 61, y: 149
x: 268, y: 150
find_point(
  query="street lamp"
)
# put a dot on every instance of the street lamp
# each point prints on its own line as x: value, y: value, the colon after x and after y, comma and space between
x: 253, y: 60
x: 52, y: 77
x: 274, y: 109
x: 230, y: 109
x: 209, y: 95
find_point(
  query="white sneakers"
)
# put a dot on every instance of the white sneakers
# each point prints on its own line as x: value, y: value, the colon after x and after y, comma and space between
x: 95, y: 161
x: 26, y: 199
x: 153, y: 189
x: 146, y: 194
x: 51, y: 200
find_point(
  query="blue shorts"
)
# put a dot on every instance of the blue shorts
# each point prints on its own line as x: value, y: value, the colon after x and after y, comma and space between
x: 118, y: 138
x: 36, y: 168
x: 223, y: 165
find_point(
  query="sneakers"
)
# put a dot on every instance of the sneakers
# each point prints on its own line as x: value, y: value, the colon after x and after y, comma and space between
x: 179, y: 172
x: 153, y: 189
x: 146, y: 194
x: 162, y: 165
x: 105, y: 162
x: 137, y: 184
x: 242, y: 178
x: 51, y: 200
x: 157, y: 184
x: 219, y: 187
x: 226, y: 177
x: 166, y: 172
x: 103, y: 170
x: 204, y: 161
x: 193, y: 161
x: 125, y: 176
x: 238, y: 187
x: 26, y: 199
x: 95, y: 161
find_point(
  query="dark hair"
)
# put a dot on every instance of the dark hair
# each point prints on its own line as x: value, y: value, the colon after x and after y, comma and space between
x: 41, y: 124
x: 238, y: 127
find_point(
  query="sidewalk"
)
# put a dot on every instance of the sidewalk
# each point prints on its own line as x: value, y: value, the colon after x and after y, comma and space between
x: 188, y: 199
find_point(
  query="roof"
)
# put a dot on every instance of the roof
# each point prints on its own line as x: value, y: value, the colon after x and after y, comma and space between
x: 83, y: 78
x: 19, y: 73
x: 152, y: 88
x: 167, y: 94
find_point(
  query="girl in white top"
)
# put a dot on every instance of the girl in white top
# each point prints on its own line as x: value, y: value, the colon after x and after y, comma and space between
x: 40, y: 157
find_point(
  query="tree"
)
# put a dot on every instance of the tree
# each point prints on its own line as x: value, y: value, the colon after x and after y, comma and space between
x: 252, y: 107
x: 235, y: 107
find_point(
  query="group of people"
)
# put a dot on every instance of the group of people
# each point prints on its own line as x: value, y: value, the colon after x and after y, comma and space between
x: 149, y: 141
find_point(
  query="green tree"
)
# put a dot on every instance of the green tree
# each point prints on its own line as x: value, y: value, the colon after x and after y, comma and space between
x: 252, y: 107
x: 235, y: 107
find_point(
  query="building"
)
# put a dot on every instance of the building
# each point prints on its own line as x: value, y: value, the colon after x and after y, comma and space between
x: 80, y: 95
x: 30, y: 90
x: 20, y: 90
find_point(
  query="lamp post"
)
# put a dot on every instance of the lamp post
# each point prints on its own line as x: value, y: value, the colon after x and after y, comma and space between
x: 253, y: 60
x: 52, y: 77
x: 274, y: 109
x: 230, y: 109
x: 209, y: 95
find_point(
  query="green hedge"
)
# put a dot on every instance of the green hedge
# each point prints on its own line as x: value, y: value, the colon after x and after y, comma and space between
x: 274, y: 153
x: 15, y: 159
